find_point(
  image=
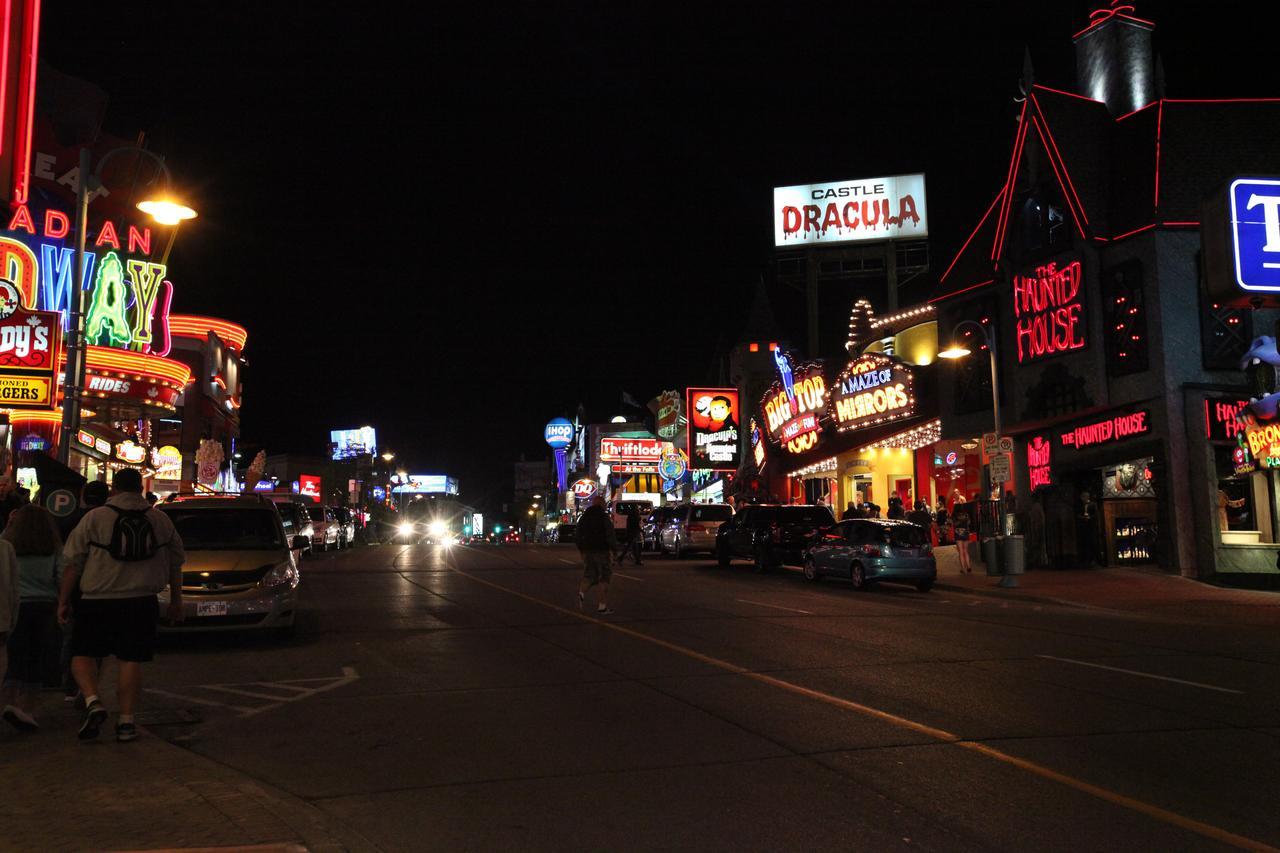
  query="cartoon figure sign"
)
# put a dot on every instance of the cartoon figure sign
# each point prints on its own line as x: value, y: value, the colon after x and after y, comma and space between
x: 714, y: 417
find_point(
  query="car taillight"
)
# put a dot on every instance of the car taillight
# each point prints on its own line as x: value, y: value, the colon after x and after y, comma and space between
x: 697, y: 528
x: 871, y: 550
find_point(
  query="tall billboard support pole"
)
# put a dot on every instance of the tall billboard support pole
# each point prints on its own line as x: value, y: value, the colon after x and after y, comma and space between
x: 74, y: 372
x: 811, y: 301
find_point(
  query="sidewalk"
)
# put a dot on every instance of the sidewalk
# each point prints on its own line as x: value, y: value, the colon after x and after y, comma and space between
x: 62, y: 794
x: 1125, y: 590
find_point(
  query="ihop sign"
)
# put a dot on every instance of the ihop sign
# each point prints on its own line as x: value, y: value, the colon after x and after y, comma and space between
x: 1255, y: 233
x: 558, y: 433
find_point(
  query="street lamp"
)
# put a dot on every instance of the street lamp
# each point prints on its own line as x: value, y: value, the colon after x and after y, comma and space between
x: 959, y: 350
x: 165, y: 210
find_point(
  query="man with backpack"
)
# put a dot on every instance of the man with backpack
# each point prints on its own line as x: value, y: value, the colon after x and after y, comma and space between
x: 121, y: 555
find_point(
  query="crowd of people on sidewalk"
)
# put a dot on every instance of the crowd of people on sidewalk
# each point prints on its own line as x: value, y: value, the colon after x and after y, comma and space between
x: 95, y: 574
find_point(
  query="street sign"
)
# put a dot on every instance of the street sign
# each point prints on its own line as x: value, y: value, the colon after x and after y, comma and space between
x: 1255, y: 233
x: 1005, y: 444
x: 999, y: 469
x: 989, y: 444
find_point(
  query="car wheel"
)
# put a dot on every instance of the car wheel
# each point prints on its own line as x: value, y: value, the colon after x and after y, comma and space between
x: 722, y: 556
x: 858, y: 577
x: 924, y: 586
x: 810, y: 570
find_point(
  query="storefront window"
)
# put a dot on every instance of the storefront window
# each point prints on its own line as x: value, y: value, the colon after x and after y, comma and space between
x: 1244, y: 502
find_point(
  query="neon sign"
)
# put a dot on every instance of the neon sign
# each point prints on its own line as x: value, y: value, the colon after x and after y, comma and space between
x: 615, y: 449
x: 757, y: 444
x: 131, y: 452
x: 28, y: 353
x: 1048, y: 307
x: 795, y: 404
x: 713, y: 428
x: 874, y: 388
x: 1039, y: 465
x: 1220, y: 418
x: 127, y: 298
x: 167, y: 461
x: 1113, y: 429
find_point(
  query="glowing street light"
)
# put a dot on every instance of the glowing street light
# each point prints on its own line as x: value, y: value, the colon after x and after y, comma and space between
x: 166, y: 211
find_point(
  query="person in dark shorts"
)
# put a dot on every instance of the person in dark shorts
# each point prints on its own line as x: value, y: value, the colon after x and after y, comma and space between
x: 596, y: 541
x: 121, y: 555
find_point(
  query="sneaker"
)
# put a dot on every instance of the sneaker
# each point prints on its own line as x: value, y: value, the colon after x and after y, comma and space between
x: 604, y: 611
x: 20, y: 719
x: 94, y: 716
x: 126, y: 732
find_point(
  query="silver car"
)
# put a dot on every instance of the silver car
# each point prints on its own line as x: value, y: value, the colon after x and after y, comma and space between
x: 693, y: 527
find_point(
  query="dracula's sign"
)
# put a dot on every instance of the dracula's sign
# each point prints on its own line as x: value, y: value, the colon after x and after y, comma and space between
x: 713, y: 429
x: 873, y: 389
x: 850, y: 211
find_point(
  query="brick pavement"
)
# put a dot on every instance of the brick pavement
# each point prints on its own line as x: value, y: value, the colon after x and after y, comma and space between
x: 60, y: 794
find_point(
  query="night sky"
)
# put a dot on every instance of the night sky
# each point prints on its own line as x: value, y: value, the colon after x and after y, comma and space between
x: 458, y: 224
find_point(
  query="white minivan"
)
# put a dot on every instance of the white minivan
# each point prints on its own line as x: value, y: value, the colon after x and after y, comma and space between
x: 693, y: 528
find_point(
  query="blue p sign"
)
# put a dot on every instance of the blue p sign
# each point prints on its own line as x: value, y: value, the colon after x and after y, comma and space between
x: 1255, y: 233
x: 61, y: 503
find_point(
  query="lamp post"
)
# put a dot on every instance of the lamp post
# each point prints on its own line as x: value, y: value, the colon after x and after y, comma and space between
x: 163, y: 210
x: 958, y: 350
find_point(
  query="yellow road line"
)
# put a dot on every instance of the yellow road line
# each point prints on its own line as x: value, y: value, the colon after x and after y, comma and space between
x: 1152, y: 811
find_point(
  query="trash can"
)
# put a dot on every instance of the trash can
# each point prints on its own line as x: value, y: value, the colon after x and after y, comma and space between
x: 991, y: 556
x: 1013, y: 555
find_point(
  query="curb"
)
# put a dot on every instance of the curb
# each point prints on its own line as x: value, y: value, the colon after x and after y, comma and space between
x: 316, y: 829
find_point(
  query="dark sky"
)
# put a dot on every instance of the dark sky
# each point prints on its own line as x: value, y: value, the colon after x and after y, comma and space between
x: 457, y: 222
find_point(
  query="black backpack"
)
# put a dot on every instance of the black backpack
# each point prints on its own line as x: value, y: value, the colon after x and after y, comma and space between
x: 132, y: 537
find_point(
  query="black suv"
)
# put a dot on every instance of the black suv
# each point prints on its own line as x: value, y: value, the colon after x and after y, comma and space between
x: 771, y: 534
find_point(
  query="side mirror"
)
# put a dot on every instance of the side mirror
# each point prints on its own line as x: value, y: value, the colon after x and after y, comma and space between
x: 299, y: 543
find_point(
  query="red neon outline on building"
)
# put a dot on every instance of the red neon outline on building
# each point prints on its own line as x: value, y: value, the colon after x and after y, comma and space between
x: 1056, y: 153
x: 1076, y: 216
x: 4, y: 65
x: 1181, y: 224
x: 1068, y: 94
x: 962, y: 290
x: 1138, y: 110
x: 26, y: 106
x: 1110, y: 15
x: 972, y: 234
x: 1008, y: 183
x: 1134, y: 231
x: 1155, y: 206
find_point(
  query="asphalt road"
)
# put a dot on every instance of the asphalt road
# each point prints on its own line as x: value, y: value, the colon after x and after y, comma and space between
x: 456, y: 699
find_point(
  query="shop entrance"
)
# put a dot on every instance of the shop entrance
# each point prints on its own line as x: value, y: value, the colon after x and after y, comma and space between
x: 1097, y: 517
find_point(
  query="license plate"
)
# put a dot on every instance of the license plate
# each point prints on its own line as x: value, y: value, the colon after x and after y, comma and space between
x: 211, y: 608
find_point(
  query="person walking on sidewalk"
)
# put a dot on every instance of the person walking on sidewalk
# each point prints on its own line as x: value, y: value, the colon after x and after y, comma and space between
x: 38, y: 547
x: 634, y: 540
x: 93, y: 494
x: 9, y: 600
x: 596, y: 541
x: 121, y: 555
x: 961, y: 526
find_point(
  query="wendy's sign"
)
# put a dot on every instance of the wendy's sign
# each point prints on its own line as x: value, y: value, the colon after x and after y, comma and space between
x: 29, y: 342
x: 1049, y: 309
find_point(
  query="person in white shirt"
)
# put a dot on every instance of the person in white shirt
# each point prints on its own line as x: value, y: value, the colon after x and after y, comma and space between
x: 121, y: 555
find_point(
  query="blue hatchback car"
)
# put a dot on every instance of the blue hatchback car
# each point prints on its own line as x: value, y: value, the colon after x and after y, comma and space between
x: 866, y: 550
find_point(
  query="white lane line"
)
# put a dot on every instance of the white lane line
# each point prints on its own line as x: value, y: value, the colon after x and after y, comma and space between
x: 1145, y: 674
x: 628, y: 577
x: 775, y: 606
x: 570, y: 562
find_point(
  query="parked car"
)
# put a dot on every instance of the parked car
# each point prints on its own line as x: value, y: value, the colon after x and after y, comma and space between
x: 325, y: 526
x: 771, y: 535
x: 872, y: 549
x: 693, y: 527
x: 241, y: 570
x: 346, y: 520
x: 296, y: 521
x: 651, y: 527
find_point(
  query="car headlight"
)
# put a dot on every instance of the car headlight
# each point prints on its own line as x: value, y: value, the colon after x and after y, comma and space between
x: 405, y: 528
x: 438, y: 528
x: 280, y: 575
